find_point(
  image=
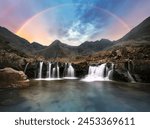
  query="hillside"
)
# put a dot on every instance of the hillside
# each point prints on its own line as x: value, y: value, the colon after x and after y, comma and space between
x: 37, y: 46
x: 61, y: 50
x: 139, y: 33
x: 14, y: 41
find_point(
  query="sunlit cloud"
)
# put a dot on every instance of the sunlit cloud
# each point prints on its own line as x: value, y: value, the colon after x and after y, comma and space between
x: 78, y: 33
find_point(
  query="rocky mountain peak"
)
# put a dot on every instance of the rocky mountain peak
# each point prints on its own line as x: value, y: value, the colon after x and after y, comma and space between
x: 105, y: 40
x: 56, y: 43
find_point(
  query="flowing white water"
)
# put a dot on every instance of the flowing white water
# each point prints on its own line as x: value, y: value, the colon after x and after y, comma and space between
x: 99, y: 73
x: 70, y: 71
x: 54, y: 72
x: 40, y: 70
x: 130, y: 77
x: 110, y: 72
x: 58, y: 74
x: 25, y: 69
x: 49, y: 70
x: 95, y: 73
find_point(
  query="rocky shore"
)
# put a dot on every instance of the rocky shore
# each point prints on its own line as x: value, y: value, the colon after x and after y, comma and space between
x: 10, y: 78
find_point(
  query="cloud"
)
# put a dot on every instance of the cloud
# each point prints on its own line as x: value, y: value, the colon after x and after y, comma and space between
x: 72, y: 22
x: 79, y: 32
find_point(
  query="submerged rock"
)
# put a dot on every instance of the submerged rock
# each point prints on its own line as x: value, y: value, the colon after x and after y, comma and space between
x: 10, y: 78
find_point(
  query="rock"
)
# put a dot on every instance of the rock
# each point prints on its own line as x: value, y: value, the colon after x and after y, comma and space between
x: 81, y: 69
x: 119, y: 76
x: 10, y: 78
x: 119, y: 53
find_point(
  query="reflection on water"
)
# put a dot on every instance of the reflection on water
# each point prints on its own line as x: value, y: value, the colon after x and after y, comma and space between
x: 75, y: 95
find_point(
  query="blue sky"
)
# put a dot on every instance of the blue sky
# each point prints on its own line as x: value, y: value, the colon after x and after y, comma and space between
x: 72, y: 21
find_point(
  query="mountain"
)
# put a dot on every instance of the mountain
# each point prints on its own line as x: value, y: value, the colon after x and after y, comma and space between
x: 58, y: 49
x: 14, y: 41
x: 87, y: 47
x: 130, y: 54
x: 37, y: 46
x: 139, y: 33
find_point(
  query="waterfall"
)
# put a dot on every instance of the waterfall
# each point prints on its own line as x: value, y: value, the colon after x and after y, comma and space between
x: 70, y: 71
x: 58, y: 75
x: 100, y: 70
x: 130, y: 77
x: 25, y: 69
x: 110, y: 72
x: 49, y: 70
x: 40, y: 70
x: 65, y: 70
x: 54, y: 72
x: 98, y: 73
x: 130, y: 67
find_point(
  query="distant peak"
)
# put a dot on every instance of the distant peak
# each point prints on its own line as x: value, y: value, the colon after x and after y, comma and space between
x: 104, y: 40
x: 35, y: 43
x: 56, y: 42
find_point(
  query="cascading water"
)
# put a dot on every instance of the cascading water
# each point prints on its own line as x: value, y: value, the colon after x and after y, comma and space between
x: 58, y: 74
x: 100, y: 70
x: 98, y: 73
x: 130, y: 77
x: 103, y: 72
x: 70, y: 71
x: 130, y: 67
x: 54, y: 72
x: 40, y: 70
x: 49, y: 70
x: 110, y: 72
x: 25, y: 69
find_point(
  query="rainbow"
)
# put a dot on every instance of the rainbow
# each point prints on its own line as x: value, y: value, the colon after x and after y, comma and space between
x: 121, y: 21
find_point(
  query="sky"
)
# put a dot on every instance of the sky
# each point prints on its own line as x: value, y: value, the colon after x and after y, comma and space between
x: 72, y: 21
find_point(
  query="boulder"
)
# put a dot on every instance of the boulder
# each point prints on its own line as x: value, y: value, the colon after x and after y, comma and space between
x: 10, y: 78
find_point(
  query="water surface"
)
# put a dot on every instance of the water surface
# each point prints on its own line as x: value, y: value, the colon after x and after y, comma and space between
x: 75, y: 95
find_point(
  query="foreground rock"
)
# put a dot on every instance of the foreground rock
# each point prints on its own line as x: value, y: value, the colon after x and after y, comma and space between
x: 10, y: 78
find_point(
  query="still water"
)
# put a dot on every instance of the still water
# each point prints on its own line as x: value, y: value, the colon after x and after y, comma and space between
x: 75, y: 95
